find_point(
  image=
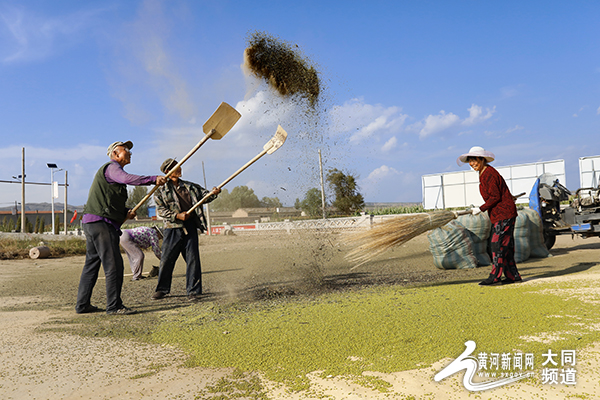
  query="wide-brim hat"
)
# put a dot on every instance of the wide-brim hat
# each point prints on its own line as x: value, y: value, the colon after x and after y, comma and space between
x: 167, y: 165
x: 476, y: 151
x: 111, y: 148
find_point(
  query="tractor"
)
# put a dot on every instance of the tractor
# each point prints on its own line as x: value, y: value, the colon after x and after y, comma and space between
x: 580, y: 217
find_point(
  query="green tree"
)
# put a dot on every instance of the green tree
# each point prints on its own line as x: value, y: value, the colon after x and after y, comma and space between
x: 10, y: 226
x: 28, y: 226
x: 312, y: 203
x: 240, y: 197
x: 271, y: 202
x: 348, y: 200
x: 135, y: 195
x: 18, y: 227
x: 56, y: 225
x: 42, y: 225
x: 37, y: 224
x: 297, y: 204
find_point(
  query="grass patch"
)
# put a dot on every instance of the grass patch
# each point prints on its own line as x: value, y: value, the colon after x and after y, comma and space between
x: 19, y: 248
x: 238, y: 385
x: 384, y: 329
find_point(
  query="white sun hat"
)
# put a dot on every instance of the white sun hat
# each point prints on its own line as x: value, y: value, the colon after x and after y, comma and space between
x: 476, y: 151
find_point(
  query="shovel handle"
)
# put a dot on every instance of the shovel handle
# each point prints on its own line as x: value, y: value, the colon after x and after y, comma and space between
x: 184, y: 159
x: 226, y: 181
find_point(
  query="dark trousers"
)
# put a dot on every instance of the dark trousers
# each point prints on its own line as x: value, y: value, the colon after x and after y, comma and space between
x: 503, y: 250
x: 102, y: 248
x: 176, y: 242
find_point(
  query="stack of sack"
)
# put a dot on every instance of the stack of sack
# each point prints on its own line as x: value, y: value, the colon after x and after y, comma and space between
x: 465, y: 242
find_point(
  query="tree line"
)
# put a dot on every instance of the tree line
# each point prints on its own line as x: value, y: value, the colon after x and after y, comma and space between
x: 345, y: 199
x: 39, y: 226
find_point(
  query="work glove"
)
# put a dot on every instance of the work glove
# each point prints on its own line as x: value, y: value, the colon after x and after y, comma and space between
x: 475, y: 210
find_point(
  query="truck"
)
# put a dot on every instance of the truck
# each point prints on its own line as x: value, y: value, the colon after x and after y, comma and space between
x: 563, y: 212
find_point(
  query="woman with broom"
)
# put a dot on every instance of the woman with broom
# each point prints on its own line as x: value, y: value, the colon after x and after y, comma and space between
x: 500, y: 205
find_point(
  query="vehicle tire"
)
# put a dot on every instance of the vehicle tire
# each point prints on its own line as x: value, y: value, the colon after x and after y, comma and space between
x: 549, y: 239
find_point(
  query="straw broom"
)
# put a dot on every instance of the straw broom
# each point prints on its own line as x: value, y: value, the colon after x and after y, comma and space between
x: 399, y: 230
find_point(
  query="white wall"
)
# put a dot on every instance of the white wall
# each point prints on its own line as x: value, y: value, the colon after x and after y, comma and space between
x: 461, y: 189
x: 589, y: 171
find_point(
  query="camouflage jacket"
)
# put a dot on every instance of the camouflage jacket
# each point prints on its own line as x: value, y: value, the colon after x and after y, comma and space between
x: 167, y: 203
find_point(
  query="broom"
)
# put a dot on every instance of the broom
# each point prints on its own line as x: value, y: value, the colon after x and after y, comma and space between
x: 399, y: 230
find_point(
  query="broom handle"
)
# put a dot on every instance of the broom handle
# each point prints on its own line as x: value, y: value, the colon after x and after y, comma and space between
x: 462, y: 212
x: 236, y: 173
x: 184, y: 159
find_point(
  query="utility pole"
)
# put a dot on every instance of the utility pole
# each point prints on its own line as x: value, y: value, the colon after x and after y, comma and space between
x: 53, y: 191
x: 23, y: 189
x: 65, y: 212
x: 322, y: 185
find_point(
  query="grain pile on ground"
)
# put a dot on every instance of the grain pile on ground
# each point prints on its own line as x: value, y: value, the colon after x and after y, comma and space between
x: 381, y: 333
x: 282, y: 66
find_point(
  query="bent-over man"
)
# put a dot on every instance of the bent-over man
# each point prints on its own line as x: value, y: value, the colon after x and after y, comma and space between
x: 134, y: 241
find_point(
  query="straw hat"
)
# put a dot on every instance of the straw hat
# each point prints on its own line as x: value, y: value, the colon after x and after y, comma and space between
x: 476, y: 151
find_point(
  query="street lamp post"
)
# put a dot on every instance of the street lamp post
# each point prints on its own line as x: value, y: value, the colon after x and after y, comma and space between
x: 53, y: 167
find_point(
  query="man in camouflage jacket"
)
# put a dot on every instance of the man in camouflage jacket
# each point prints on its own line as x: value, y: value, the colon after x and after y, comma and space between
x: 181, y: 230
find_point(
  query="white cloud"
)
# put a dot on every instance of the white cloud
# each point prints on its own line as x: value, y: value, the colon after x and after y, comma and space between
x: 382, y: 172
x: 144, y: 69
x: 510, y: 91
x: 598, y: 111
x: 30, y: 37
x: 364, y: 121
x: 390, y: 145
x: 436, y: 123
x: 70, y: 159
x: 386, y: 183
x: 476, y: 115
x: 515, y: 128
x: 433, y: 124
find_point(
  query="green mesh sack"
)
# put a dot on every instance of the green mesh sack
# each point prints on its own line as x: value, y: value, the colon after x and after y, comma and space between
x: 536, y: 234
x: 478, y: 228
x: 451, y: 247
x: 521, y: 234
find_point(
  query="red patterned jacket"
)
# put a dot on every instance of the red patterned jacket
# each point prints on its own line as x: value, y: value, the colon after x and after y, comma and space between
x: 498, y: 200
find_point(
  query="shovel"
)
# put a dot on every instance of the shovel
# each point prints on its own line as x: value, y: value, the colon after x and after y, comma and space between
x: 217, y: 126
x: 276, y: 142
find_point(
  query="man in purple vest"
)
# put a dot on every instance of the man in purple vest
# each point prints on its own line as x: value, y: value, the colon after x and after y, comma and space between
x: 104, y: 213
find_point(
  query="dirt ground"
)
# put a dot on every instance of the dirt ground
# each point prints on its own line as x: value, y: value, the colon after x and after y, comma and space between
x: 38, y: 364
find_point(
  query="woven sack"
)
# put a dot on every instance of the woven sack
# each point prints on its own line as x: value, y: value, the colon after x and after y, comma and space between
x: 478, y: 228
x: 521, y: 234
x: 536, y: 234
x: 451, y: 247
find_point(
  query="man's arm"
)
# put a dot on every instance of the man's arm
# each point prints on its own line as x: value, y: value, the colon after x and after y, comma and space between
x: 114, y: 173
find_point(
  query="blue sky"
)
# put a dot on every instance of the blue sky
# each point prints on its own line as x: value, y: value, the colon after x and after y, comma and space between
x: 408, y: 86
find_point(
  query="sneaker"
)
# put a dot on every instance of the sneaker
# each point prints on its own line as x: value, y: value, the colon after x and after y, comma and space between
x: 88, y: 309
x: 153, y: 272
x: 122, y: 311
x: 138, y: 278
x: 158, y: 295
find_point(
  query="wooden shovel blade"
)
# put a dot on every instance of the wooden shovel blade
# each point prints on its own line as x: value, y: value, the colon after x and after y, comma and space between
x: 222, y: 120
x: 276, y: 141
